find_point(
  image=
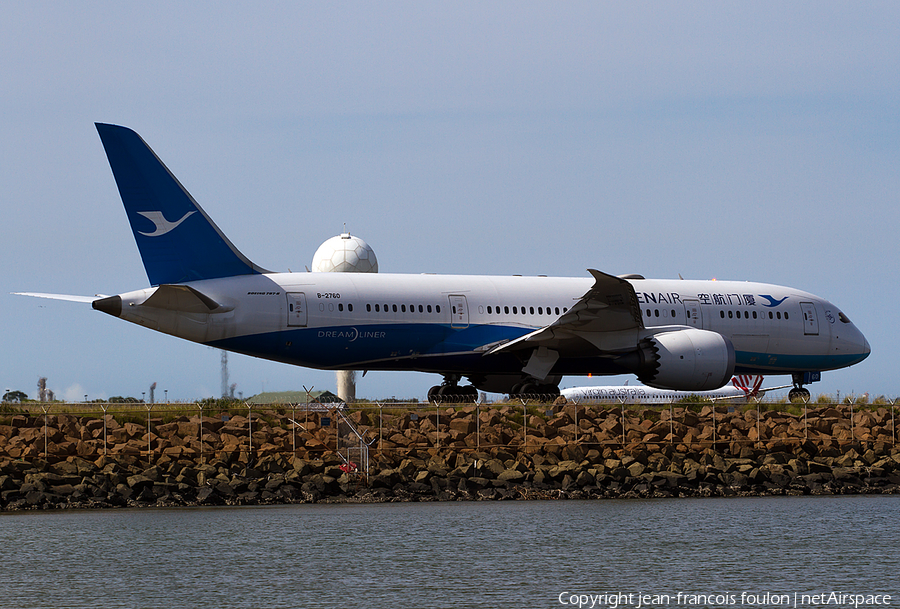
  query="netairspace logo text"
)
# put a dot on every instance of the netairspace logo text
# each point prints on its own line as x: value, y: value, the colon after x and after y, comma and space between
x: 614, y: 600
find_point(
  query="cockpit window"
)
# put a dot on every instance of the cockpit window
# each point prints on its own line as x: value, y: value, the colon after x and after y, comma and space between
x: 843, y: 318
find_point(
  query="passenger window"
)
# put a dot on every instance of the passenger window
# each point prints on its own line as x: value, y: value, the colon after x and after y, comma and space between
x: 722, y: 314
x: 648, y: 313
x: 673, y: 312
x: 340, y: 307
x: 540, y: 311
x: 428, y: 308
x: 754, y: 314
x: 785, y: 314
x: 730, y: 314
x: 489, y: 309
x: 746, y: 314
x: 421, y: 309
x: 403, y: 308
x: 437, y: 308
x: 656, y: 312
x: 515, y: 311
x: 557, y: 310
x: 377, y: 309
x: 350, y: 308
x: 506, y: 310
x: 778, y: 314
x: 531, y: 310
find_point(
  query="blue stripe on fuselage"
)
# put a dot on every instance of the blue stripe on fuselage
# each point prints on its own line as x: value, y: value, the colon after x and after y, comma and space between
x: 438, y: 346
x: 332, y: 347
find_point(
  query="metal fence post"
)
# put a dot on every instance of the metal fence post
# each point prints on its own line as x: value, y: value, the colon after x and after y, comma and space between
x: 893, y: 425
x: 714, y: 425
x: 805, y: 421
x: 671, y: 423
x: 478, y: 427
x: 525, y: 426
x: 576, y: 422
x: 758, y: 417
x: 294, y: 428
x: 46, y: 409
x: 308, y: 391
x: 200, y: 432
x: 380, y: 426
x: 249, y: 431
x: 149, y: 407
x: 104, y: 407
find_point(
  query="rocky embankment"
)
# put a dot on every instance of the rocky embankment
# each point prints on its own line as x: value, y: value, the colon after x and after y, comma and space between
x: 446, y: 454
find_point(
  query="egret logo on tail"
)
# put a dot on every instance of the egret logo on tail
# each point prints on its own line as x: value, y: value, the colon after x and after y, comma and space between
x: 773, y: 302
x: 163, y: 226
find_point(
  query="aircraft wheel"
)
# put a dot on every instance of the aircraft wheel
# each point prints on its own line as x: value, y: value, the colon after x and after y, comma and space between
x: 469, y: 393
x: 448, y: 393
x: 798, y: 393
x: 530, y: 390
x: 434, y: 393
x: 549, y: 393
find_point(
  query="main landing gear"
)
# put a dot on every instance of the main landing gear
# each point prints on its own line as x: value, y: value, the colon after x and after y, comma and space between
x: 450, y: 392
x: 799, y: 392
x: 532, y: 390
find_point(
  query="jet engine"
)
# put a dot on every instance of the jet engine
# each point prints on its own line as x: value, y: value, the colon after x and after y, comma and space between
x: 685, y: 360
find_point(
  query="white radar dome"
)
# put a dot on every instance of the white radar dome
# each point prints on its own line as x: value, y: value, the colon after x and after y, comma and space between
x: 345, y: 254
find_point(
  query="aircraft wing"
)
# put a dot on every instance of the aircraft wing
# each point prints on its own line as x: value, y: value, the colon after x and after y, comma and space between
x: 69, y: 297
x: 606, y: 318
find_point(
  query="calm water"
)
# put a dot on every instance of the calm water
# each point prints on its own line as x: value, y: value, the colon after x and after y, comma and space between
x: 509, y: 554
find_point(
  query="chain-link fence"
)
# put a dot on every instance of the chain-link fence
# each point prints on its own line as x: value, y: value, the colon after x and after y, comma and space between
x: 243, y: 431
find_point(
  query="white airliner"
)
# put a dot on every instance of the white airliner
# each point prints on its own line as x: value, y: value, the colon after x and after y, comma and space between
x: 742, y: 387
x: 516, y: 335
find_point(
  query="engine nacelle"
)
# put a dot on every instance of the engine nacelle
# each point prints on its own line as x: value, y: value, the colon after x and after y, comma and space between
x: 686, y: 360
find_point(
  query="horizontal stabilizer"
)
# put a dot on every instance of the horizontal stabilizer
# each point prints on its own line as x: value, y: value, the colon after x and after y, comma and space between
x: 68, y: 297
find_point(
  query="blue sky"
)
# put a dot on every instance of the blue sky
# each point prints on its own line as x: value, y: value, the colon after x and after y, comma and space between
x: 756, y: 141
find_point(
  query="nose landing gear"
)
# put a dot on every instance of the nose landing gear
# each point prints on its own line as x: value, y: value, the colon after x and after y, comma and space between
x: 799, y: 392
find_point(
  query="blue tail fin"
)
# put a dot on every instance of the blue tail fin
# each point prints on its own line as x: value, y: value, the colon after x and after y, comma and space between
x: 177, y: 240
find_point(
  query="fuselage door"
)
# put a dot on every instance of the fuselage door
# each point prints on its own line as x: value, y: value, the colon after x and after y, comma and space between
x: 810, y: 321
x: 459, y: 311
x: 296, y: 309
x: 692, y: 313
